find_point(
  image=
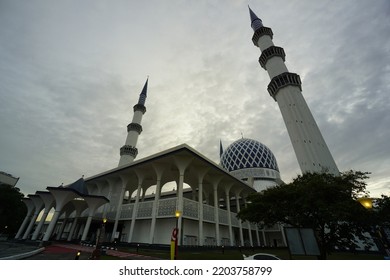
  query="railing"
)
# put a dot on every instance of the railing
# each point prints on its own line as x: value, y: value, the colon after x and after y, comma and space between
x: 190, y: 208
x: 223, y: 216
x: 167, y: 208
x: 145, y: 209
x: 208, y: 213
x: 126, y: 211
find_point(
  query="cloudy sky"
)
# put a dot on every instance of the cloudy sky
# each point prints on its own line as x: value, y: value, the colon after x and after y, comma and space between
x: 71, y: 71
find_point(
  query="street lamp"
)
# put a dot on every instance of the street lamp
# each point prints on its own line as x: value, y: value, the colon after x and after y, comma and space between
x: 175, y: 237
x: 376, y: 230
x: 366, y: 202
x: 103, y: 230
x: 100, y: 236
x: 177, y: 215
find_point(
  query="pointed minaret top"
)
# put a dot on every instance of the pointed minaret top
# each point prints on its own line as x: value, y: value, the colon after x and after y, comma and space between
x: 220, y: 148
x: 256, y: 23
x: 142, y: 96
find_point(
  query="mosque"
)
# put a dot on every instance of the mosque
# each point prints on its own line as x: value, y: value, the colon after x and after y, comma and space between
x: 143, y: 200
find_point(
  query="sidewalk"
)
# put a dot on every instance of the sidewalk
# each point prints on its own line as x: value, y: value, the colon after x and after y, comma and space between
x: 16, y: 251
x: 57, y: 251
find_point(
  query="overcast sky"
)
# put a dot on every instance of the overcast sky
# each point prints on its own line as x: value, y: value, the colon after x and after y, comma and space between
x: 71, y: 71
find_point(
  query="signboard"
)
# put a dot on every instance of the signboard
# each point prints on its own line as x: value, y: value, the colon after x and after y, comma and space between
x: 174, y: 243
x: 302, y: 241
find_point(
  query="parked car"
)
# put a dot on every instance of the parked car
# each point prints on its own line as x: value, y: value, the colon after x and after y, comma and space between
x: 261, y: 256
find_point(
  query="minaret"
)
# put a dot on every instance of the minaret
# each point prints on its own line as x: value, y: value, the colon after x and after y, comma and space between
x: 129, y: 151
x: 285, y: 88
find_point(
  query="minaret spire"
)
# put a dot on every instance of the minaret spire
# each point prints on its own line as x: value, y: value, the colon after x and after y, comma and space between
x: 142, y: 96
x: 285, y: 88
x: 220, y: 148
x: 256, y: 23
x: 128, y: 152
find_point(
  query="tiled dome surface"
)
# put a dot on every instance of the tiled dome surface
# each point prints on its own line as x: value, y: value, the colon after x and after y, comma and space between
x: 248, y: 153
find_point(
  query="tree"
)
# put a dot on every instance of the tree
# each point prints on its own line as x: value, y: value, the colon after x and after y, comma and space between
x: 12, y: 209
x: 381, y: 210
x: 321, y: 201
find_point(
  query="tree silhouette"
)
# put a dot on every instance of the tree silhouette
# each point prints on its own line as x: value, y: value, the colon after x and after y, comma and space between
x: 321, y: 201
x: 12, y: 209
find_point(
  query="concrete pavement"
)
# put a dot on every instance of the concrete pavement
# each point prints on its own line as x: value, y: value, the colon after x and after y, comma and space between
x: 57, y: 251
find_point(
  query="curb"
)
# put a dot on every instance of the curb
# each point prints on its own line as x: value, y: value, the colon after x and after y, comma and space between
x: 23, y: 255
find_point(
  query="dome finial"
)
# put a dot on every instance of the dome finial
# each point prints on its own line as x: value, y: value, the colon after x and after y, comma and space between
x: 220, y: 148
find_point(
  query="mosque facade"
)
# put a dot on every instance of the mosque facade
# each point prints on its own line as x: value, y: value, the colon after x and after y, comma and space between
x: 143, y: 200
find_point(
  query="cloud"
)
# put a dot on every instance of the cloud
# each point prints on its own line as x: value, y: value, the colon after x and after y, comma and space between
x: 71, y: 71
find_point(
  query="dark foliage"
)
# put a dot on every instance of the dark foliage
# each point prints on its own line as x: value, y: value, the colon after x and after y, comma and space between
x: 324, y: 202
x: 12, y: 210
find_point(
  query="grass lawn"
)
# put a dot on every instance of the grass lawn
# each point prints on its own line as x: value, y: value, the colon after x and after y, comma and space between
x: 236, y: 254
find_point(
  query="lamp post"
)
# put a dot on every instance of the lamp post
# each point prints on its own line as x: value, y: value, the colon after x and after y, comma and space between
x: 175, y: 237
x: 177, y: 215
x: 366, y: 202
x: 101, y: 232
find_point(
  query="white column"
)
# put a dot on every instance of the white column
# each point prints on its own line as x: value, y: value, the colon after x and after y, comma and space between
x: 216, y: 213
x: 140, y: 176
x: 250, y: 234
x: 249, y: 228
x: 49, y: 202
x: 24, y: 225
x: 38, y: 203
x: 86, y: 227
x: 62, y: 196
x: 52, y: 224
x: 93, y: 204
x: 201, y: 174
x: 62, y: 228
x: 182, y: 163
x: 109, y: 187
x: 72, y: 228
x: 239, y: 224
x: 30, y: 209
x: 264, y: 238
x: 80, y: 230
x: 283, y: 234
x: 159, y: 169
x: 257, y: 235
x: 227, y: 198
x: 180, y: 206
x: 154, y: 211
x: 30, y: 225
x: 40, y: 224
x: 124, y: 181
x: 200, y: 211
x: 135, y: 212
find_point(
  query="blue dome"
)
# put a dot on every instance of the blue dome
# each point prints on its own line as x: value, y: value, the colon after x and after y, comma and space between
x: 247, y: 153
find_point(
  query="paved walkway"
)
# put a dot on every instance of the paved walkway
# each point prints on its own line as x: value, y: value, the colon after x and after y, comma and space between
x: 16, y: 251
x: 109, y: 252
x: 57, y: 251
